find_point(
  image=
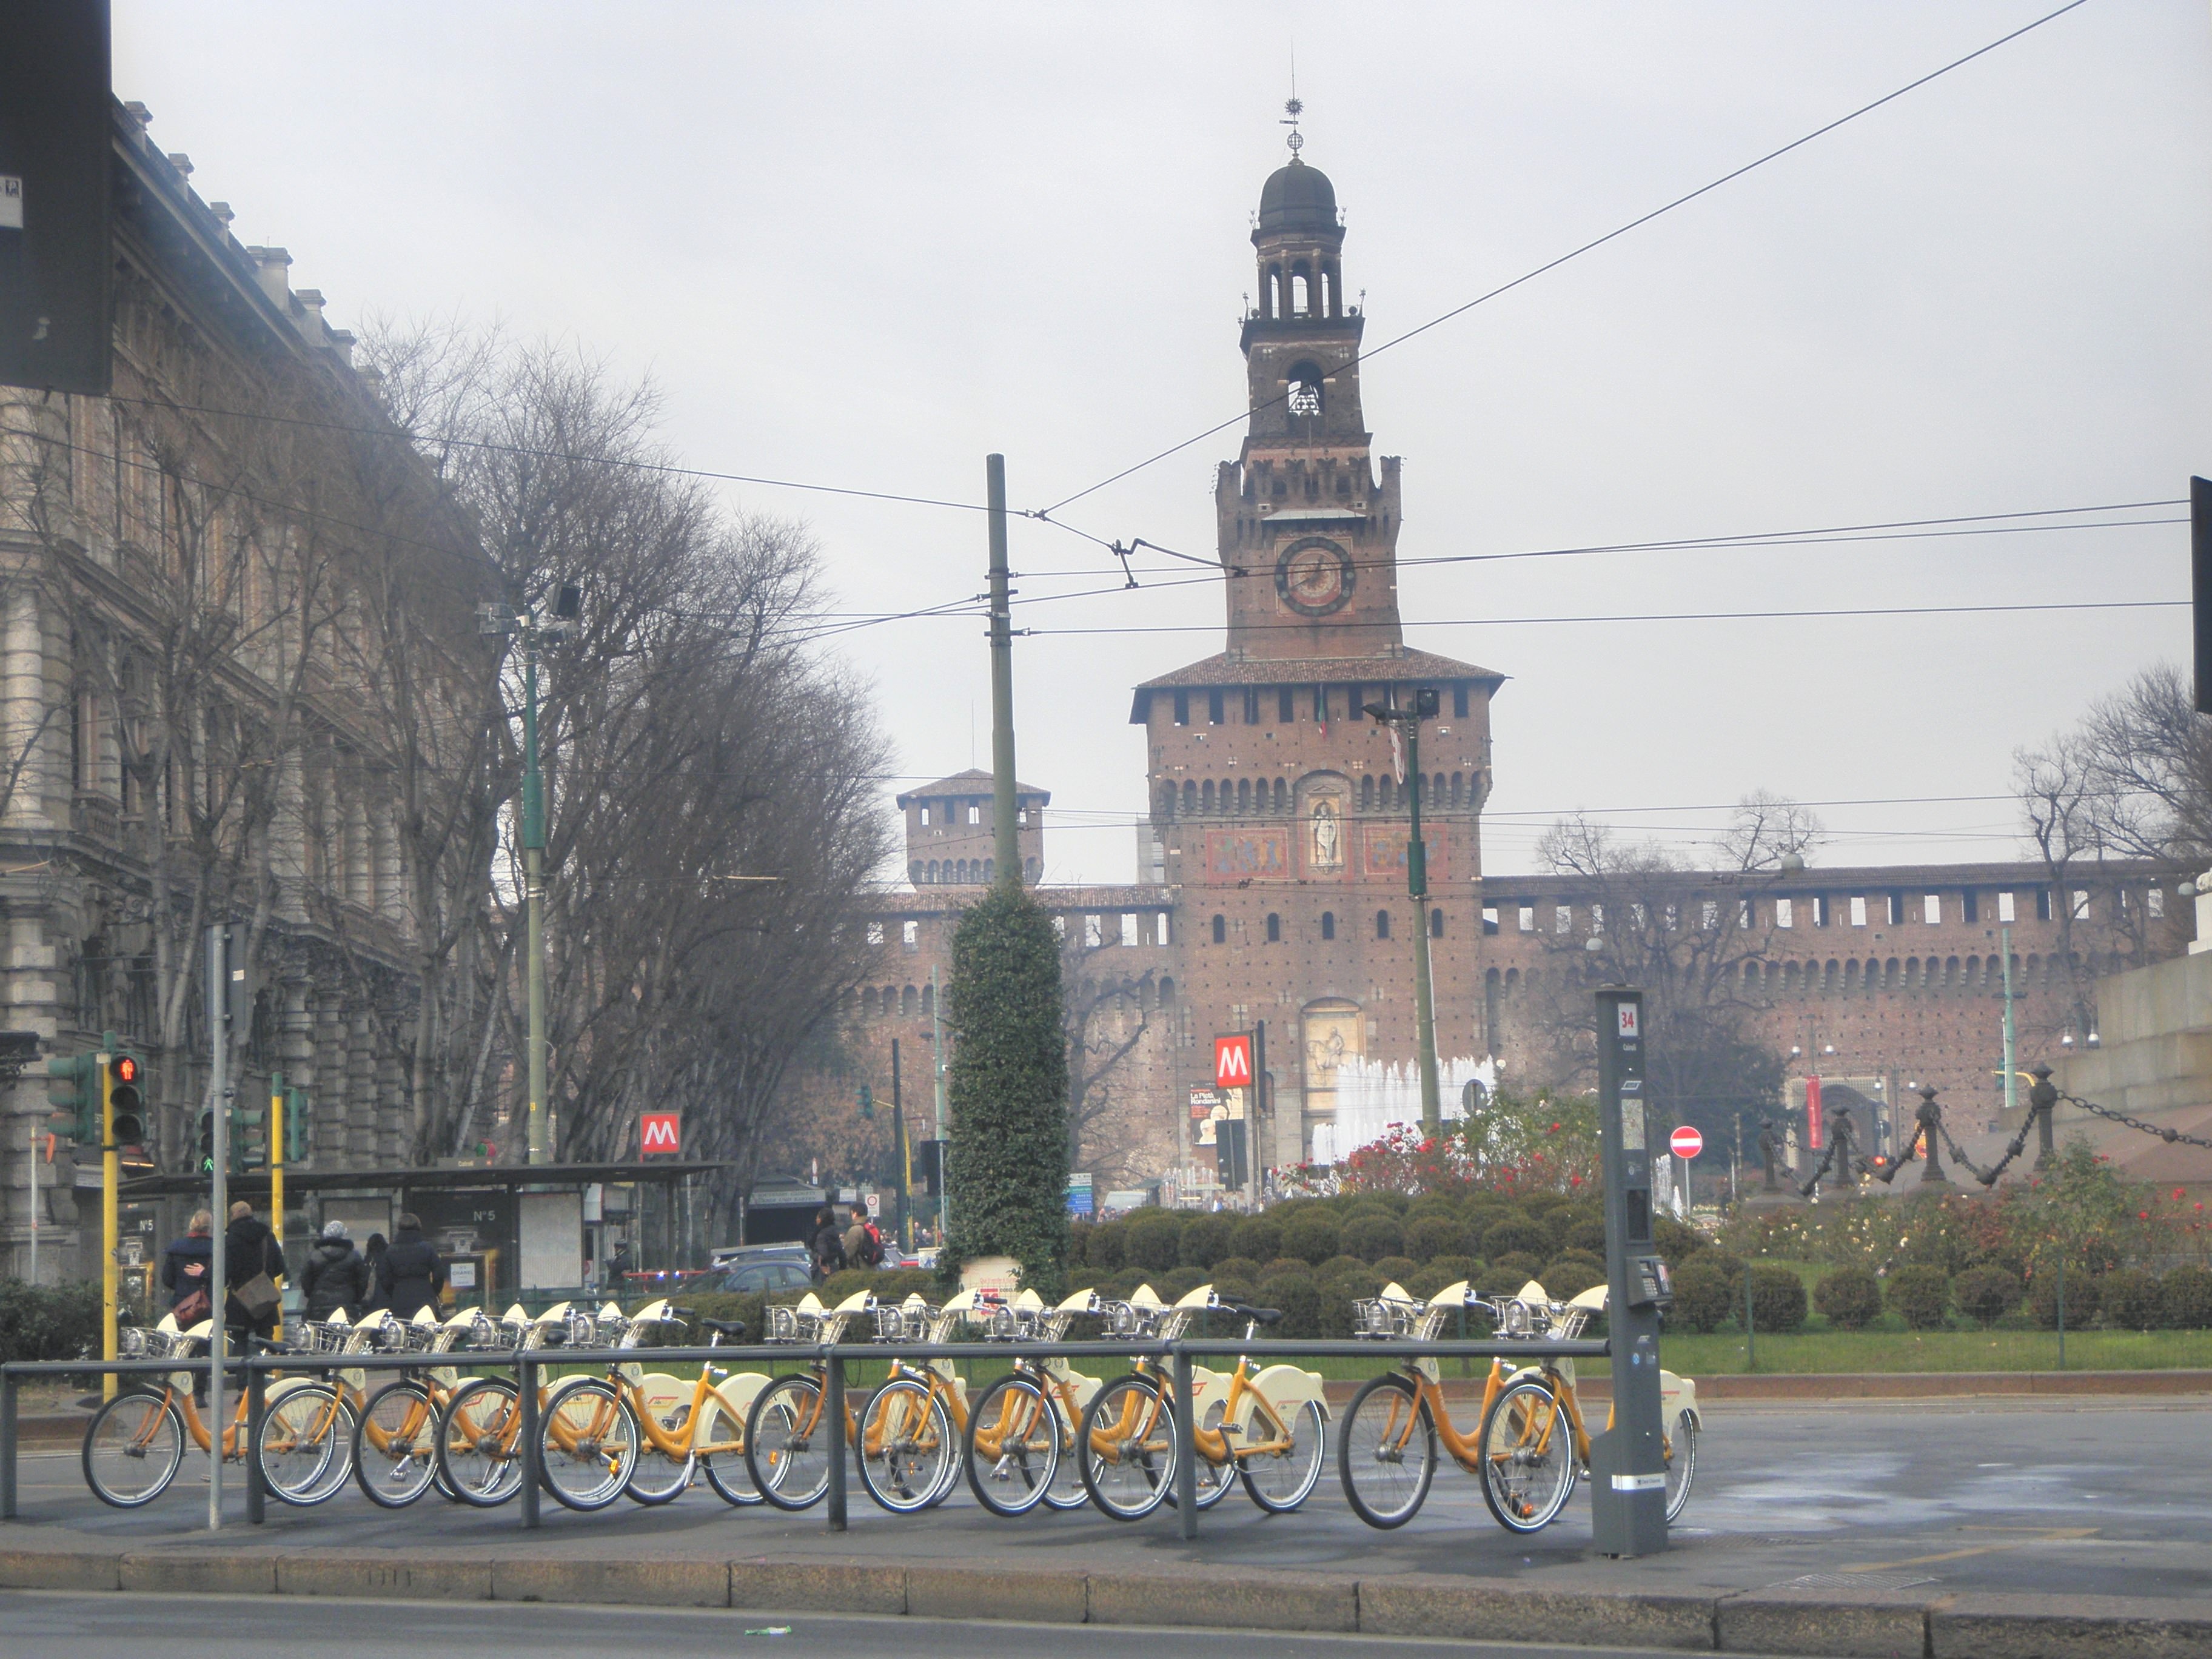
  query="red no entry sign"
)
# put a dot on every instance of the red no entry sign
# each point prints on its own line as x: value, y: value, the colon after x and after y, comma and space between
x: 1685, y: 1142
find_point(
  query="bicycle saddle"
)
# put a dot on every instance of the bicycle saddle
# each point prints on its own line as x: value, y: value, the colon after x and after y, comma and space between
x: 726, y: 1326
x: 1258, y: 1316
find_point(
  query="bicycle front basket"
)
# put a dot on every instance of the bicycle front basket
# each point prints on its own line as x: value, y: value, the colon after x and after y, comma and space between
x: 1379, y: 1319
x: 890, y: 1322
x: 583, y: 1331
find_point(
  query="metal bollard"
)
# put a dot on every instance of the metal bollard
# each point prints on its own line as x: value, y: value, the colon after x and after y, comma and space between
x: 257, y: 1408
x: 833, y: 1430
x: 7, y: 1443
x: 525, y: 1383
x: 1186, y: 1449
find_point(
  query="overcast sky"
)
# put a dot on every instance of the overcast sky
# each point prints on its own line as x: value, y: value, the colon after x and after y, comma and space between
x: 864, y: 245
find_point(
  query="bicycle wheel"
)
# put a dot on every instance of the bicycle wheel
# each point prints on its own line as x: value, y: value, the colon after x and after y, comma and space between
x: 1066, y: 1490
x: 1128, y: 1442
x: 906, y: 1443
x: 659, y: 1477
x: 1528, y: 1450
x: 587, y: 1443
x: 721, y: 1445
x: 133, y: 1448
x: 395, y: 1444
x: 1012, y: 1446
x: 479, y: 1450
x: 1281, y: 1476
x: 1681, y: 1463
x: 304, y: 1443
x: 788, y: 1445
x: 1385, y: 1453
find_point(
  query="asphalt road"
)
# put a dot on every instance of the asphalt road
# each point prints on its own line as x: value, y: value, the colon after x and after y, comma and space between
x: 2062, y: 1496
x: 52, y: 1625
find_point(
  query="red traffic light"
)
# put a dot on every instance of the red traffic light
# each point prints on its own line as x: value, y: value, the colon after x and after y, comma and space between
x: 126, y: 1070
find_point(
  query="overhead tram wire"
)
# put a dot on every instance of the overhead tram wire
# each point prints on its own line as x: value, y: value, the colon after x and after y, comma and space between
x: 1574, y: 254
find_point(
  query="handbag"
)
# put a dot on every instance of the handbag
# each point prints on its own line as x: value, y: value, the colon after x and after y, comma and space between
x: 259, y: 1297
x: 192, y: 1309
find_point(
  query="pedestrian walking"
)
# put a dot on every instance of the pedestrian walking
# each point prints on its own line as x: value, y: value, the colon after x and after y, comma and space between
x: 827, y: 1246
x: 336, y: 1278
x: 412, y: 1275
x: 253, y: 1263
x: 188, y: 1272
x: 867, y: 1251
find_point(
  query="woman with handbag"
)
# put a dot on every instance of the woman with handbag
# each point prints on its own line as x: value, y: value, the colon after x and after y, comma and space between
x: 187, y: 1269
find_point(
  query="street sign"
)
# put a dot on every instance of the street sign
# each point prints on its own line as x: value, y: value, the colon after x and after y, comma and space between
x: 659, y: 1132
x: 875, y: 1206
x: 1685, y: 1142
x: 1232, y: 1061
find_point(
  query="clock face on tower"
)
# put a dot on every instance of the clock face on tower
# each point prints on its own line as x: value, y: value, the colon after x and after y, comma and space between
x: 1314, y: 576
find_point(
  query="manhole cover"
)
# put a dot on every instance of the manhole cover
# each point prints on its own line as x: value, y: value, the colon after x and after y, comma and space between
x: 1845, y: 1581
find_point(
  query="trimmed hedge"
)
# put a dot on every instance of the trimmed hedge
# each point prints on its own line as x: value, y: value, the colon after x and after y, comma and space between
x: 1205, y: 1238
x: 2185, y: 1296
x: 1371, y: 1236
x: 1706, y: 1297
x: 48, y: 1322
x: 1432, y: 1236
x: 1921, y: 1297
x: 1259, y: 1237
x: 1849, y: 1298
x: 1517, y: 1235
x: 1313, y: 1236
x: 2130, y: 1300
x: 1777, y: 1298
x: 1154, y: 1239
x: 2082, y: 1298
x: 1987, y: 1294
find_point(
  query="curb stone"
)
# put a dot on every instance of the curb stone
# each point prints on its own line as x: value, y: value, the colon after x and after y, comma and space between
x: 1502, y: 1610
x: 594, y: 1579
x: 59, y: 1569
x: 1247, y: 1601
x: 198, y: 1572
x: 1045, y: 1597
x: 1976, y: 1624
x: 811, y: 1586
x: 1876, y: 1625
x: 399, y: 1576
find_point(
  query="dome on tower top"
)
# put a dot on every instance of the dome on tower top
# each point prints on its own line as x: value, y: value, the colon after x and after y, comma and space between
x: 1297, y: 198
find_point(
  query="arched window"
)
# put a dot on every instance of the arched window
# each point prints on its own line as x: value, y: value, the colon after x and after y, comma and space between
x: 1274, y: 928
x: 1244, y: 795
x: 868, y: 1002
x: 1367, y: 793
x: 1282, y: 796
x: 1205, y: 798
x: 1189, y: 797
x: 928, y: 1001
x: 913, y: 872
x: 1329, y: 924
x: 1030, y: 868
x: 1167, y: 800
x: 909, y: 1001
x: 1382, y: 924
x: 1435, y: 924
x: 1301, y: 292
x: 1167, y: 990
x: 990, y: 870
x: 1221, y: 930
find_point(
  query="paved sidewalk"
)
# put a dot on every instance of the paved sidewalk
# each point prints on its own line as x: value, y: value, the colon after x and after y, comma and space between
x: 2026, y: 1527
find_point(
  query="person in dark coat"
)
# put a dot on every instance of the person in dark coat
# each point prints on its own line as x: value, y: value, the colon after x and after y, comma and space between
x: 249, y: 1249
x: 372, y: 1256
x: 828, y: 1245
x: 412, y: 1273
x: 335, y: 1277
x: 188, y: 1263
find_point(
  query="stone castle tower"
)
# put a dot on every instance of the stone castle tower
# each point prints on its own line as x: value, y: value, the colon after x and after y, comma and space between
x: 1284, y: 819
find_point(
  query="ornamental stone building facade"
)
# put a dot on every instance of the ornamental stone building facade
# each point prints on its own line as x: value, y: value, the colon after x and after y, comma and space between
x: 1272, y: 863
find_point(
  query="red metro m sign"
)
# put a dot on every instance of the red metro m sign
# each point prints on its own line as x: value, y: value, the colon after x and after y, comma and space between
x: 1232, y: 1061
x: 659, y: 1132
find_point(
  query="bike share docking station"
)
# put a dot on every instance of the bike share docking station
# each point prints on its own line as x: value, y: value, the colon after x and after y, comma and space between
x: 1627, y: 1462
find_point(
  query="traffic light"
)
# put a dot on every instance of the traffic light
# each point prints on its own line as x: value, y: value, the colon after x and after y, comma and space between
x: 203, y: 1139
x: 73, y: 1093
x: 249, y: 1138
x: 126, y: 1100
x: 867, y: 1101
x: 296, y: 1135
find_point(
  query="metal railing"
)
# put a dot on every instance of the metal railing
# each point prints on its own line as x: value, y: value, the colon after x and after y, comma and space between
x: 528, y: 1366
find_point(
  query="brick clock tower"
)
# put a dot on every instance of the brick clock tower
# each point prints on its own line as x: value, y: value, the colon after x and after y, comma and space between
x: 1283, y: 821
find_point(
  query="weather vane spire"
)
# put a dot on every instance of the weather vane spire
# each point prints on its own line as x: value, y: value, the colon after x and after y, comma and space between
x: 1294, y: 106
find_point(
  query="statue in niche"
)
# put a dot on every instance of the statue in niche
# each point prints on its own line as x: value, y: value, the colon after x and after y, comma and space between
x: 1327, y: 836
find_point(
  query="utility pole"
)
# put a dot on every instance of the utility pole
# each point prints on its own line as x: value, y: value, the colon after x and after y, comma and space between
x: 905, y: 1164
x: 219, y: 1095
x: 2011, y: 1084
x: 1006, y: 830
x: 1258, y: 1109
x: 277, y: 1172
x: 936, y: 1069
x: 1405, y: 726
x: 541, y: 1134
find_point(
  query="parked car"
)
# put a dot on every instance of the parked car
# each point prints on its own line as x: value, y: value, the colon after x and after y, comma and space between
x: 765, y: 1277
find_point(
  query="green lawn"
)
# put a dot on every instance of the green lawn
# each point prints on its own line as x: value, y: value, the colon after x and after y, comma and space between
x: 1938, y: 1350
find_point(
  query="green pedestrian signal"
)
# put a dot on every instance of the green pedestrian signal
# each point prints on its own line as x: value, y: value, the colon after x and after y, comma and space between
x: 203, y: 1139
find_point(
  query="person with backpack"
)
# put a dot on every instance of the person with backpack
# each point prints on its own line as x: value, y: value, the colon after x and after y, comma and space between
x: 336, y: 1278
x: 868, y: 1250
x: 412, y: 1275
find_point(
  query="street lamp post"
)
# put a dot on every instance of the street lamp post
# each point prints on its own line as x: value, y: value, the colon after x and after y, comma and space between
x: 1406, y: 724
x: 540, y: 1134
